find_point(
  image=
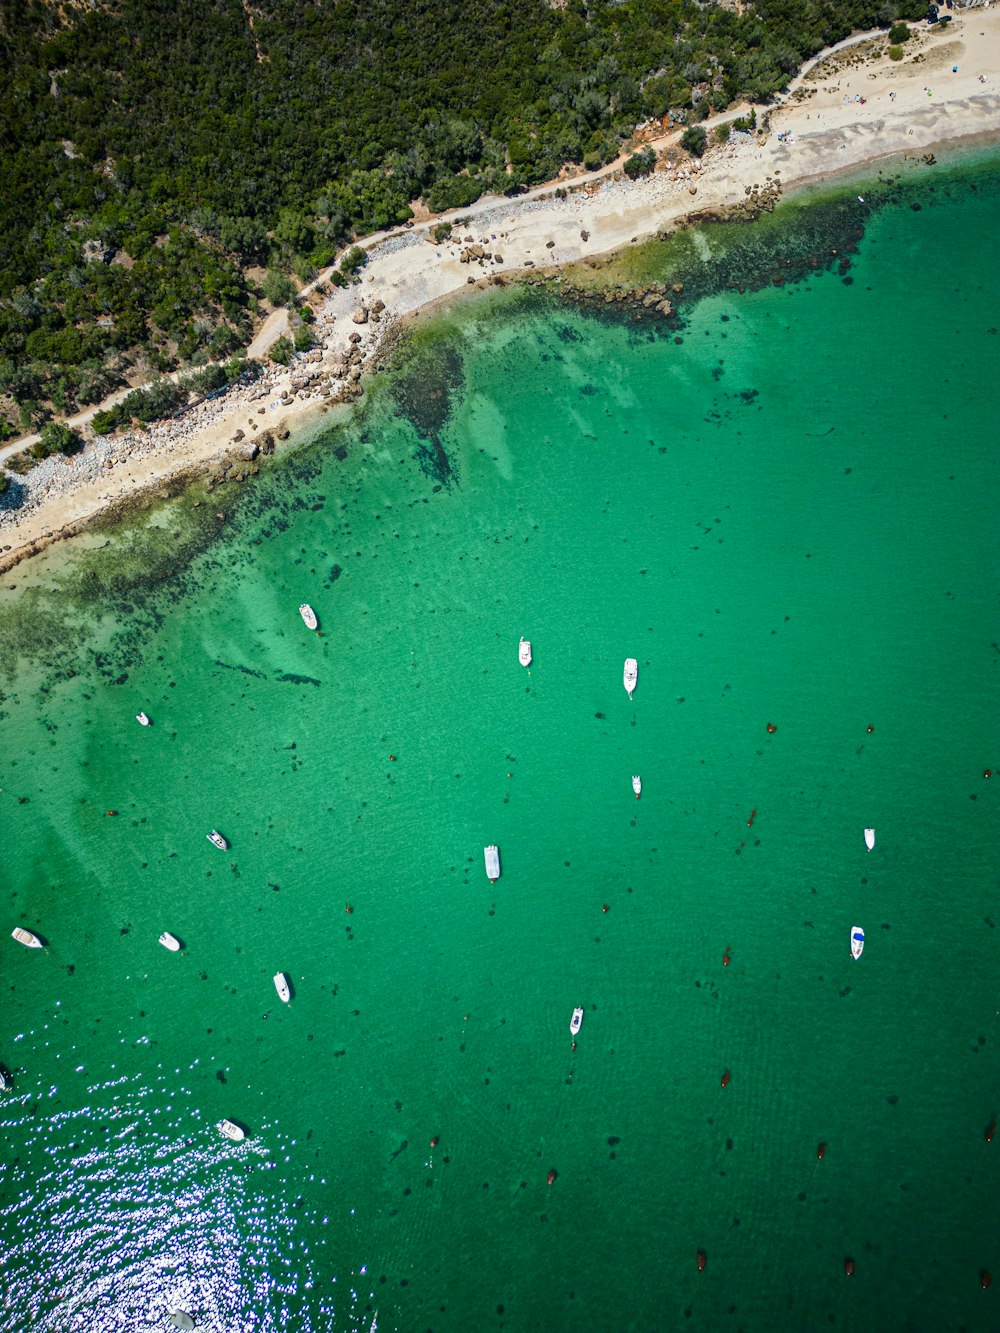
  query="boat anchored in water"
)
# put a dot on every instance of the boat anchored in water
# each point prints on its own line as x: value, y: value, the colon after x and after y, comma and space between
x: 870, y: 838
x: 491, y: 855
x: 143, y: 720
x: 217, y: 840
x: 575, y: 1022
x: 524, y: 652
x: 857, y: 941
x: 308, y: 615
x: 26, y: 937
x: 231, y: 1131
x: 281, y: 986
x: 180, y: 1319
x: 170, y: 942
x: 631, y: 675
x: 637, y: 785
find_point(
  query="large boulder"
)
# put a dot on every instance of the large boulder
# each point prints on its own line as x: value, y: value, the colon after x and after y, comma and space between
x: 360, y: 315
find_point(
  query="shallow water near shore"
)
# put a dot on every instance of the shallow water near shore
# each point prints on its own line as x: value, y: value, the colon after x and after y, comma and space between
x: 784, y: 508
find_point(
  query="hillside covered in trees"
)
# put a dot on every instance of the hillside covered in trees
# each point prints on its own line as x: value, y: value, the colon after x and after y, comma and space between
x: 154, y: 151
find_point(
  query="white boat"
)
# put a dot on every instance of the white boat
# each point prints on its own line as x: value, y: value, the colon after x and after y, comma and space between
x: 26, y: 937
x: 281, y: 986
x: 870, y: 838
x: 575, y: 1022
x: 308, y: 615
x: 217, y: 840
x: 492, y: 856
x: 180, y: 1319
x: 524, y: 652
x: 170, y: 942
x: 857, y: 941
x: 637, y: 785
x: 143, y: 720
x: 631, y: 674
x: 4, y: 1080
x: 231, y: 1131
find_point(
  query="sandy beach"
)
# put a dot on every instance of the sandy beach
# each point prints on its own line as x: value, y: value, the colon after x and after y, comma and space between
x: 945, y: 91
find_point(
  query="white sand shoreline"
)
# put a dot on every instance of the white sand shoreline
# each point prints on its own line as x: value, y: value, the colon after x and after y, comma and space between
x: 911, y: 108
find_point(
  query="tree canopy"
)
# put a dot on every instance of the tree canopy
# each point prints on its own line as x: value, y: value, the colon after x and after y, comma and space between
x: 154, y: 151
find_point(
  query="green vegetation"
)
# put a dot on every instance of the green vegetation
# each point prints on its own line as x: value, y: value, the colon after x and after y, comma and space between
x: 693, y: 140
x: 4, y: 481
x: 153, y: 153
x: 895, y: 53
x: 56, y: 439
x: 354, y: 259
x: 640, y: 164
x: 899, y: 33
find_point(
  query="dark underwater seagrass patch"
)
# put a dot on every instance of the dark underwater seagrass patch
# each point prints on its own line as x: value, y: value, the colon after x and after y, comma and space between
x: 424, y: 385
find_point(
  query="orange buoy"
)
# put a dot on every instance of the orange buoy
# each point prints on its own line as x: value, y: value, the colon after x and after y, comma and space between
x: 771, y: 728
x: 348, y: 909
x: 849, y: 1267
x: 725, y: 1078
x: 985, y: 1279
x: 991, y: 1129
x: 702, y: 1261
x: 821, y: 1151
x: 111, y: 812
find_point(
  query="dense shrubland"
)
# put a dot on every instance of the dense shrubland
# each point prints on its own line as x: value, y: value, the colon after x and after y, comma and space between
x: 154, y: 152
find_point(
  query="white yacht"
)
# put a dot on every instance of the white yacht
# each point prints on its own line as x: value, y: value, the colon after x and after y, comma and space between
x: 492, y: 856
x: 180, y: 1319
x: 170, y: 942
x: 637, y: 785
x: 575, y: 1022
x: 231, y: 1131
x: 870, y: 838
x: 143, y: 720
x: 217, y: 840
x: 857, y: 941
x: 524, y: 652
x: 281, y: 986
x: 308, y: 615
x: 631, y: 675
x: 26, y: 937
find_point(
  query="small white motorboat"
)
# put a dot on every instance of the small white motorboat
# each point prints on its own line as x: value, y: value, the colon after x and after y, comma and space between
x: 143, y: 720
x: 870, y: 838
x: 217, y: 840
x: 308, y: 615
x: 492, y: 857
x: 575, y: 1022
x: 524, y: 652
x: 26, y: 937
x: 5, y: 1080
x: 631, y: 675
x: 231, y: 1131
x: 637, y: 785
x: 170, y: 942
x: 281, y: 986
x: 857, y: 941
x: 180, y: 1319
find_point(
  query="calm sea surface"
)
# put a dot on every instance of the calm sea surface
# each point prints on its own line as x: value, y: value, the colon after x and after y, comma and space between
x: 785, y: 507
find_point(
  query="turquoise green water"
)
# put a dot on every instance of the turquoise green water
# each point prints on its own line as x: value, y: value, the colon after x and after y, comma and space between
x: 787, y: 517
